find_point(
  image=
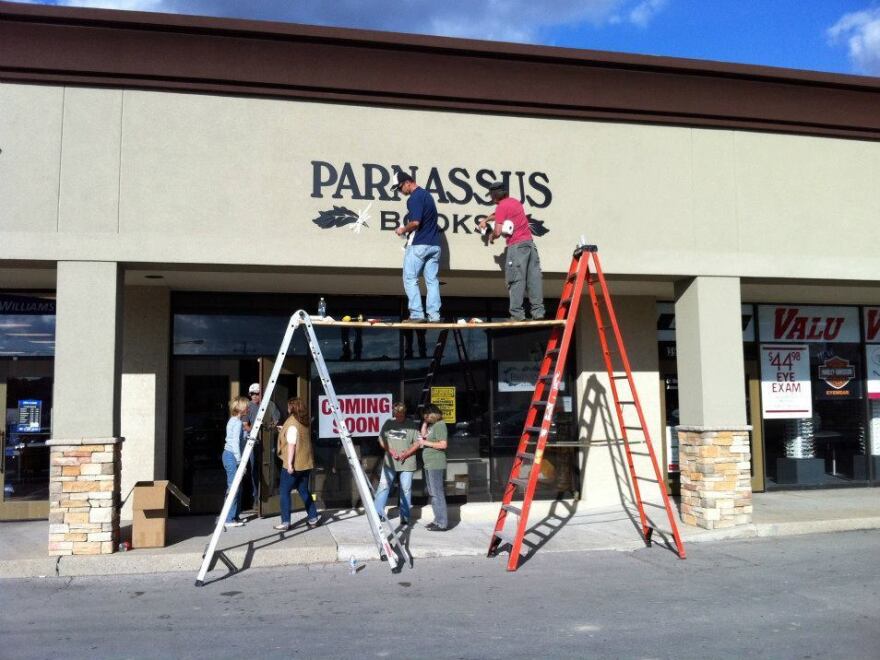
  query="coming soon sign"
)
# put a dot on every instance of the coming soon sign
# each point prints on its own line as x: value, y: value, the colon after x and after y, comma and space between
x: 363, y: 414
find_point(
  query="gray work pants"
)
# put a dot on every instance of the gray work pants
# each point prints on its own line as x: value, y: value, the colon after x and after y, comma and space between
x: 522, y: 272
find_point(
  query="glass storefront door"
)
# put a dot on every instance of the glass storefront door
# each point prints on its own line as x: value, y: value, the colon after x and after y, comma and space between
x: 26, y: 390
x: 201, y: 393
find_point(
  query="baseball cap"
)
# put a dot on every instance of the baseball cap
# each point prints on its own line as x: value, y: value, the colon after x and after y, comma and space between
x: 496, y: 186
x: 254, y: 389
x: 402, y: 177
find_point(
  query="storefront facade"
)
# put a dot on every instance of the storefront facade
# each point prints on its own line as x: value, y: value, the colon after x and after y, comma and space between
x: 172, y: 211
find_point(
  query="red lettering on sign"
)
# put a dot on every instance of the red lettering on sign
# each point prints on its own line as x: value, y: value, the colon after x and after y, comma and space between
x: 325, y: 407
x: 788, y: 325
x: 873, y: 324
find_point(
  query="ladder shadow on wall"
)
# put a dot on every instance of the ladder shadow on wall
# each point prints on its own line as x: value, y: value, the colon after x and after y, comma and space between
x: 598, y: 417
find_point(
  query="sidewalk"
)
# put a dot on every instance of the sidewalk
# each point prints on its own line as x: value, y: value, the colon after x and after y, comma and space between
x: 556, y: 527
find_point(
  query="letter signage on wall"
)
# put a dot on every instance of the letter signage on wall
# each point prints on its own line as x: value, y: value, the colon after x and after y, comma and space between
x: 364, y: 415
x: 785, y: 381
x: 805, y: 323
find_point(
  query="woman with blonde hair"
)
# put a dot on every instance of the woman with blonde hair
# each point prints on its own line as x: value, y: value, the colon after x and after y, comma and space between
x: 235, y: 439
x: 433, y: 441
x: 295, y: 452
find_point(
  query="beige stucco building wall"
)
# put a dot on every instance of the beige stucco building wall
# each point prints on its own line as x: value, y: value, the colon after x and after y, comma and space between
x: 134, y: 176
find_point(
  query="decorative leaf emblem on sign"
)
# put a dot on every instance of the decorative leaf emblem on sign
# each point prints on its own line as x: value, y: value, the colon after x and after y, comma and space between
x: 537, y: 226
x: 339, y: 216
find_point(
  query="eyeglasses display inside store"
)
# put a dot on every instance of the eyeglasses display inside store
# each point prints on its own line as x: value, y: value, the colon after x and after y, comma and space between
x: 481, y: 380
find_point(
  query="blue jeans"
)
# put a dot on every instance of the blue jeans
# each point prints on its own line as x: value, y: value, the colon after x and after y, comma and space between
x: 436, y: 489
x: 299, y: 481
x: 385, y: 483
x: 230, y: 465
x: 419, y: 260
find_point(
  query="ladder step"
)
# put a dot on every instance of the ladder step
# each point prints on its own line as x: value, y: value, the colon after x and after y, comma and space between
x: 624, y: 376
x: 532, y: 429
x: 519, y: 481
x: 633, y: 428
x: 512, y: 509
x: 547, y: 377
x: 565, y: 301
x: 552, y: 351
x: 526, y: 456
x: 539, y: 403
x: 627, y: 403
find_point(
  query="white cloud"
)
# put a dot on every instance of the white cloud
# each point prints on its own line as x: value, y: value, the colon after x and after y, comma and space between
x: 644, y: 12
x: 501, y: 20
x: 860, y: 31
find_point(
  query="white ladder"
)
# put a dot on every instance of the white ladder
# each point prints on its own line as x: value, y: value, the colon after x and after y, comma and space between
x: 386, y: 538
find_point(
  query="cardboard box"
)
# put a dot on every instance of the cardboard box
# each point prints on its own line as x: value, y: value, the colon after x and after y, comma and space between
x: 150, y: 512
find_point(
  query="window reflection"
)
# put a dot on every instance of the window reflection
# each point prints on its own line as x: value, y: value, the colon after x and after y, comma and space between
x: 485, y: 407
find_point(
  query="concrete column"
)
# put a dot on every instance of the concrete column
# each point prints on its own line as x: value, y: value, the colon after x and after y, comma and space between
x: 713, y: 438
x: 604, y: 476
x: 145, y: 367
x: 708, y: 337
x: 84, y: 476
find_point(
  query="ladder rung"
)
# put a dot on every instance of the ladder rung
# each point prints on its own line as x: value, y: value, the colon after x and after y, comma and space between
x: 566, y: 301
x: 526, y: 456
x: 532, y: 429
x: 539, y: 403
x: 552, y: 351
x: 621, y: 377
x: 512, y: 509
x: 547, y: 377
x: 627, y: 403
x: 519, y: 481
x: 633, y: 428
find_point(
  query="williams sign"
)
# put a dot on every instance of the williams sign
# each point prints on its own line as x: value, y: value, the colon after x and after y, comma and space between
x: 458, y: 191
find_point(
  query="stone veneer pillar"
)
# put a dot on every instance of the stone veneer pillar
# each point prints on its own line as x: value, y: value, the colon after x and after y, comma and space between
x: 716, y: 478
x: 84, y: 496
x: 85, y: 464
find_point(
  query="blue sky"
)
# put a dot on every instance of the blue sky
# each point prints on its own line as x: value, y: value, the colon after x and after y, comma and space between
x: 840, y: 36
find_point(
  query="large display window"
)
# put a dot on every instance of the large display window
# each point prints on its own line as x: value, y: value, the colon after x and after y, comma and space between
x: 27, y: 349
x: 813, y: 395
x: 481, y: 382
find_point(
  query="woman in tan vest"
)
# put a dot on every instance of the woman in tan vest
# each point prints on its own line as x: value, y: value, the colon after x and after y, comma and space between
x: 295, y: 452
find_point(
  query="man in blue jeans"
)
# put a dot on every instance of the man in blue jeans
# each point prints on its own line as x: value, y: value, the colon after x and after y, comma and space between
x: 399, y: 439
x: 422, y: 256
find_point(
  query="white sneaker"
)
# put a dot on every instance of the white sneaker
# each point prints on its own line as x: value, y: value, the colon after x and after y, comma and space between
x: 234, y: 523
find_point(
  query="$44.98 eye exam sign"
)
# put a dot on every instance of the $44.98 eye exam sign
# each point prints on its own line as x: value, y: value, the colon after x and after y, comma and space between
x: 785, y: 381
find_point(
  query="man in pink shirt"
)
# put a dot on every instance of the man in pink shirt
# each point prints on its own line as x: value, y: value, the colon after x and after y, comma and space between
x: 522, y: 270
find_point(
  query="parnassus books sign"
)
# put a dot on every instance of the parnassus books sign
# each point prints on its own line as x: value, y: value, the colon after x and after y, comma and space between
x: 359, y: 195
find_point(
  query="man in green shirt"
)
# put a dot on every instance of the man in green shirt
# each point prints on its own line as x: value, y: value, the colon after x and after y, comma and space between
x: 433, y: 441
x: 399, y: 439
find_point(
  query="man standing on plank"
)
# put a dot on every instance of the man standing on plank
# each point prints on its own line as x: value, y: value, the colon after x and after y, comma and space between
x: 422, y: 255
x: 522, y: 270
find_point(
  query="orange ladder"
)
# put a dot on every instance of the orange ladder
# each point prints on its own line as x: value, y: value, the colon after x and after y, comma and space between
x: 585, y: 269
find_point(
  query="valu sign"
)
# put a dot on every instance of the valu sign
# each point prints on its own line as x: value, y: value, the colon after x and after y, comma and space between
x: 459, y: 192
x: 808, y: 323
x: 364, y: 415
